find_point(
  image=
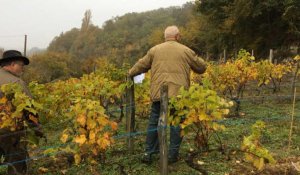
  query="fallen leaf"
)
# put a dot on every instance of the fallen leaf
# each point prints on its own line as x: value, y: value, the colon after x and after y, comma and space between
x: 200, y: 162
x: 64, y: 171
x: 43, y: 170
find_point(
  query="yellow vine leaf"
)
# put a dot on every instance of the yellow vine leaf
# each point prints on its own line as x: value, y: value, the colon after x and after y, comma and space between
x: 77, y: 159
x: 64, y: 138
x: 80, y: 139
x: 95, y: 151
x: 230, y: 103
x: 103, y: 143
x: 259, y: 163
x: 114, y: 126
x: 3, y: 100
x: 249, y: 157
x: 93, y: 162
x: 226, y: 111
x: 217, y: 127
x: 297, y: 58
x: 81, y: 119
x: 103, y: 120
x: 92, y: 137
x: 203, y: 116
x: 82, y: 131
x: 91, y: 124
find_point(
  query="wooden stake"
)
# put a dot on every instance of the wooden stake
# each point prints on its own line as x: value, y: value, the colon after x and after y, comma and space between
x: 130, y: 115
x: 271, y: 56
x: 207, y: 56
x: 295, y: 77
x: 162, y: 130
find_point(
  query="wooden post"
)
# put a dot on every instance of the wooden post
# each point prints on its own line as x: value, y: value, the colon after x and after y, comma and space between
x: 162, y: 130
x: 25, y: 45
x: 271, y: 56
x: 252, y: 52
x: 295, y: 78
x: 130, y: 115
x: 207, y: 56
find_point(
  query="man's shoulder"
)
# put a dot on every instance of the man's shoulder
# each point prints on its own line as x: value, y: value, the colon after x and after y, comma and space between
x: 175, y: 44
x: 184, y: 47
x: 7, y: 77
x: 157, y: 46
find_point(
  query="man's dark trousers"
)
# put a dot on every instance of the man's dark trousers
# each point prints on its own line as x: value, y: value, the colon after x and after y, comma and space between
x: 152, y: 144
x: 14, y: 151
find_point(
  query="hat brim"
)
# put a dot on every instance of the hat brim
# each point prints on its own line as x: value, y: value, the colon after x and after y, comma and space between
x: 24, y: 59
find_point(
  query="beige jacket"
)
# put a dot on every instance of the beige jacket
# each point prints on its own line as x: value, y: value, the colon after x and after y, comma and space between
x: 170, y: 63
x: 7, y: 77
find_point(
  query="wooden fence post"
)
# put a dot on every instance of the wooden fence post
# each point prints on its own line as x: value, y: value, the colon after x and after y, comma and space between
x: 207, y: 56
x: 130, y: 115
x: 295, y: 78
x: 271, y: 56
x: 162, y: 130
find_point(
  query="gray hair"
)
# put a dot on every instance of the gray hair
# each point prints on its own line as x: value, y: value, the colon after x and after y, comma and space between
x: 171, y: 32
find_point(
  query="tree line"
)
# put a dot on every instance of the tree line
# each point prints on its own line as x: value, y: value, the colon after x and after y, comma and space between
x: 207, y: 26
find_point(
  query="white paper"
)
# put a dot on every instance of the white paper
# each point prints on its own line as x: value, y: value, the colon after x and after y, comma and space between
x: 139, y: 78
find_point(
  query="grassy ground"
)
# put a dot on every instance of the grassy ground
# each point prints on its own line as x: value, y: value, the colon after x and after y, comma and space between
x: 276, y: 114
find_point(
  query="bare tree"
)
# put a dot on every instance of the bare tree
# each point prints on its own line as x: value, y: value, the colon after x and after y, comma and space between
x: 86, y: 21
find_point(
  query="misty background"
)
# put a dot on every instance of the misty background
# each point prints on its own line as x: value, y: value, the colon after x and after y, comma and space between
x: 41, y: 20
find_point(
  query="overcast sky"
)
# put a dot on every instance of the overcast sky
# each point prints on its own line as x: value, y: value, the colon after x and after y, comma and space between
x: 42, y: 20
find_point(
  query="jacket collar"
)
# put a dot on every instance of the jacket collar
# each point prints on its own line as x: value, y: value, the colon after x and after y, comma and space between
x: 170, y: 39
x: 6, y: 71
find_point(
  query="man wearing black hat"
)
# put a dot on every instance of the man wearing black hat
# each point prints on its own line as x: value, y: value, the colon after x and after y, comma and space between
x: 12, y: 67
x: 11, y: 148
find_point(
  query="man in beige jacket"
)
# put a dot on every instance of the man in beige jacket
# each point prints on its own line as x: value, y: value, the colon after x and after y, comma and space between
x: 170, y: 63
x: 11, y: 147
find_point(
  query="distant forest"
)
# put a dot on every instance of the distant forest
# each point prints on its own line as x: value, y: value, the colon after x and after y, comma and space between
x: 208, y: 27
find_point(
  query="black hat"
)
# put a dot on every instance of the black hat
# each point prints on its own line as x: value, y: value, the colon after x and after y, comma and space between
x: 10, y: 55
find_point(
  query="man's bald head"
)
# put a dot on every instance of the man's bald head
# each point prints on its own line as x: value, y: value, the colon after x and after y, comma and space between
x: 172, y: 32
